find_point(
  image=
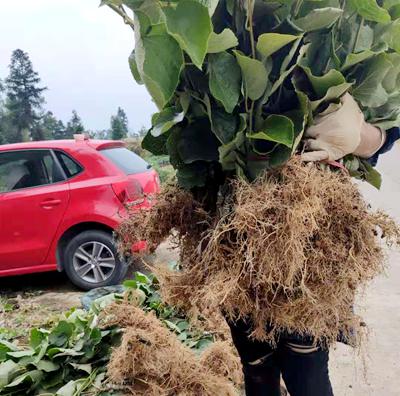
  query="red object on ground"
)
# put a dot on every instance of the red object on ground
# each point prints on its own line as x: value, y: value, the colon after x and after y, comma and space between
x: 54, y: 193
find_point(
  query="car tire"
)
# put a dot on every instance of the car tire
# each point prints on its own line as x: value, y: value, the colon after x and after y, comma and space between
x: 91, y: 260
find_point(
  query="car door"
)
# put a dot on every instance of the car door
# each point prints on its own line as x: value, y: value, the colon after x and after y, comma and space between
x: 34, y: 195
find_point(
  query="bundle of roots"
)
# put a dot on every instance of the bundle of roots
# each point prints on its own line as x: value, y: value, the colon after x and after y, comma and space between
x: 174, y: 210
x: 152, y: 361
x: 289, y: 253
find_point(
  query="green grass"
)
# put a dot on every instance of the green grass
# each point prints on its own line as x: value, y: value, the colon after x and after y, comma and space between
x: 161, y: 165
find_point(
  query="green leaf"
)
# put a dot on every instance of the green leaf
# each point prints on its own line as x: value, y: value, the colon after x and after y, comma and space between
x: 58, y: 352
x: 319, y: 18
x: 61, y: 333
x: 190, y: 24
x: 284, y: 74
x: 203, y: 344
x: 36, y: 338
x: 87, y: 368
x: 369, y: 90
x: 225, y: 126
x: 165, y: 120
x: 321, y: 84
x: 31, y: 377
x: 254, y: 75
x: 134, y: 68
x: 332, y: 93
x: 197, y: 143
x: 111, y: 2
x: 269, y: 43
x: 172, y: 326
x: 222, y: 41
x: 153, y: 44
x: 7, y: 370
x: 141, y: 278
x: 47, y: 366
x: 155, y: 145
x: 20, y: 354
x: 391, y: 82
x: 225, y: 79
x: 192, y: 175
x: 230, y: 153
x: 371, y: 175
x: 276, y: 128
x: 68, y: 389
x: 354, y: 59
x: 370, y: 10
x: 391, y: 35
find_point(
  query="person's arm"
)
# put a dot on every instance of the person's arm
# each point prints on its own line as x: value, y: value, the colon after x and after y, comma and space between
x: 341, y: 132
x: 392, y: 135
x: 372, y: 139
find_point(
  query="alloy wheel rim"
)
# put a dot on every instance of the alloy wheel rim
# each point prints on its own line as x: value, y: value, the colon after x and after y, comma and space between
x: 94, y: 262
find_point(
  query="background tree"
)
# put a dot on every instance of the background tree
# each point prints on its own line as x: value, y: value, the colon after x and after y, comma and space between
x: 74, y: 126
x: 47, y: 127
x: 119, y: 125
x: 23, y: 96
x: 102, y: 134
x: 60, y: 131
x: 2, y: 137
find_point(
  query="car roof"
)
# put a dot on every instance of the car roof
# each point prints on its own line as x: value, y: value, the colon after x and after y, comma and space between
x: 64, y: 144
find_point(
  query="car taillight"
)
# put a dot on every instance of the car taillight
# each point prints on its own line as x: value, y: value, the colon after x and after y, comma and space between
x: 129, y: 191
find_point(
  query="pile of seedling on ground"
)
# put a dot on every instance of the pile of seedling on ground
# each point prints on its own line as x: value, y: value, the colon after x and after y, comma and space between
x: 126, y: 343
x: 262, y: 236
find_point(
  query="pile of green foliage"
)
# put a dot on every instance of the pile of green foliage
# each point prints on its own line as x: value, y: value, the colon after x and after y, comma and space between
x: 238, y: 81
x: 71, y: 358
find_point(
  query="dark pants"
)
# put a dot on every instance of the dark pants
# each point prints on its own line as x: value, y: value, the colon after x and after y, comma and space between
x: 304, y: 367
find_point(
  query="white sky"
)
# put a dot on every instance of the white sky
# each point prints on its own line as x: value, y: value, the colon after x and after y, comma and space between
x: 81, y: 54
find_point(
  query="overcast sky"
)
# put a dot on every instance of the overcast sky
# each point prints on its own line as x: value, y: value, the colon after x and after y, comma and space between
x: 80, y: 52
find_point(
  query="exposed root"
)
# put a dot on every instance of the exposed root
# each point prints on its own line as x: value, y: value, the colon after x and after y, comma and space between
x: 152, y: 361
x: 223, y: 362
x: 175, y: 210
x: 290, y: 254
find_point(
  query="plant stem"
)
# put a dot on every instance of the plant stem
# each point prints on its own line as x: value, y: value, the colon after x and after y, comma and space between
x: 299, y: 3
x: 360, y: 26
x: 250, y: 10
x: 121, y: 12
x: 250, y: 5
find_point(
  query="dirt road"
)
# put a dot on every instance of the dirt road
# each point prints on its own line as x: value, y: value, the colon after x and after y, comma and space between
x: 382, y: 310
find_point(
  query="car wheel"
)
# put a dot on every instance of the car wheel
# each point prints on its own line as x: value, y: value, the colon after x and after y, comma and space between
x: 92, y: 260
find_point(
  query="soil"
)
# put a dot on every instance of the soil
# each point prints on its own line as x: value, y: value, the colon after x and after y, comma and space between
x: 352, y: 375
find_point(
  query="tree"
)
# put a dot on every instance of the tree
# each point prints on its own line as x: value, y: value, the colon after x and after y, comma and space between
x: 74, y: 126
x: 103, y: 134
x: 23, y: 95
x: 47, y: 127
x: 119, y: 125
x: 2, y: 136
x: 60, y: 131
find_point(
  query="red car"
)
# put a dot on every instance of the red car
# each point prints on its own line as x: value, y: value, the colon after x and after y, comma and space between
x: 60, y: 202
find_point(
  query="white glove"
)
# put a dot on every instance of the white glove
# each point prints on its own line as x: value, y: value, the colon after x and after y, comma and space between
x: 335, y: 133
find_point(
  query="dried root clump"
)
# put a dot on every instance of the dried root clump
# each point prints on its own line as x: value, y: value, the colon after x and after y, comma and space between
x: 223, y: 361
x: 290, y: 255
x: 152, y: 361
x: 175, y: 210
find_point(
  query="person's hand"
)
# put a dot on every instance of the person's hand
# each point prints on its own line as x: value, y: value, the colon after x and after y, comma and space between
x: 335, y: 134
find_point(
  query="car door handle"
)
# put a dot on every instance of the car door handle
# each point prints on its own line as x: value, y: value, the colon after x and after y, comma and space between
x: 49, y: 203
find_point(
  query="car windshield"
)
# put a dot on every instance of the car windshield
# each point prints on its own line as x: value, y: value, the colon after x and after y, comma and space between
x: 126, y: 160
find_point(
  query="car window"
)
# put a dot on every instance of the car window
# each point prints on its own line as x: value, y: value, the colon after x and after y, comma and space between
x: 126, y: 160
x: 70, y: 167
x: 27, y: 168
